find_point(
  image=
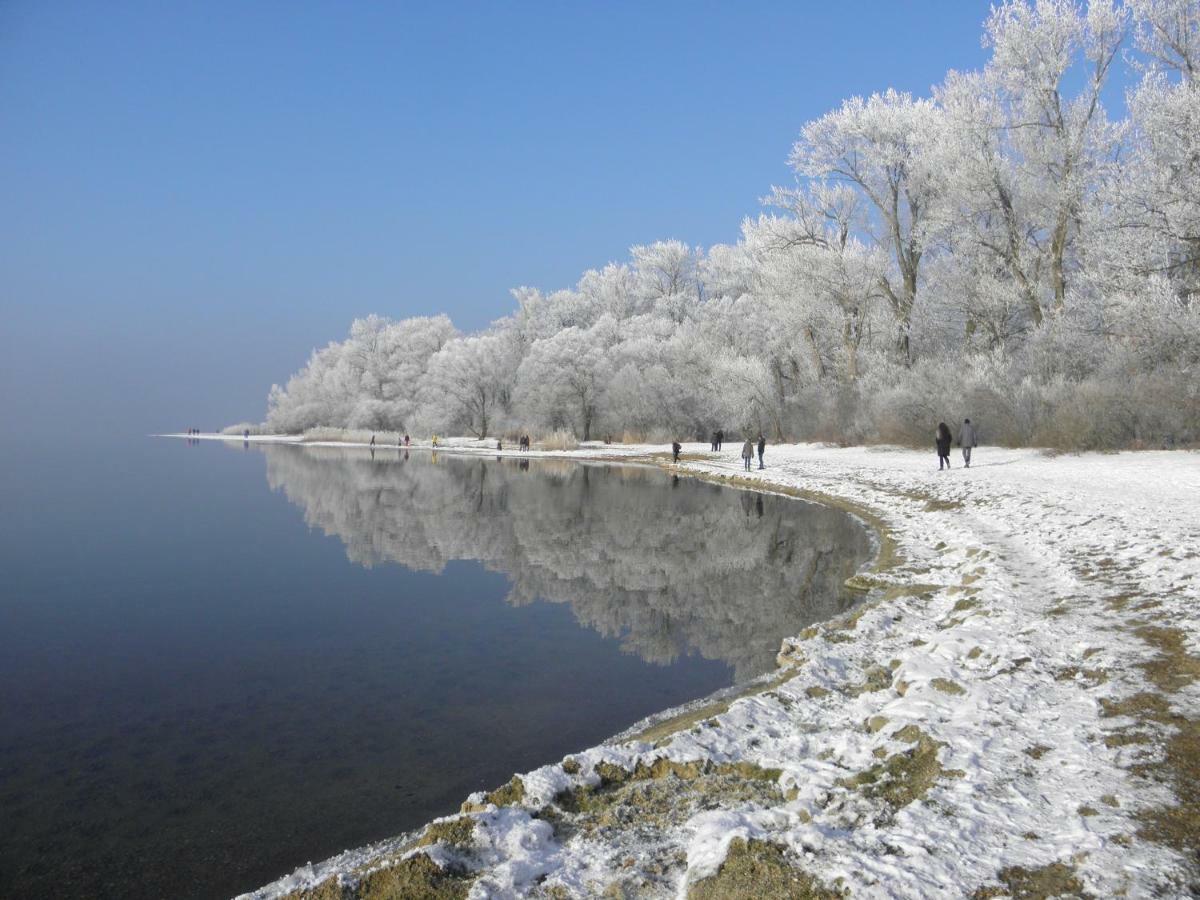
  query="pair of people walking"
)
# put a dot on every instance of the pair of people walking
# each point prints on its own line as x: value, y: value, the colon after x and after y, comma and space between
x: 718, y: 438
x: 748, y: 451
x: 968, y: 440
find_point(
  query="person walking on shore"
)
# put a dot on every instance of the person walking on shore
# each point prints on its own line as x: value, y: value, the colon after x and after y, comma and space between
x: 675, y: 448
x: 968, y: 440
x: 747, y: 453
x: 941, y: 440
x: 720, y: 439
x: 762, y: 446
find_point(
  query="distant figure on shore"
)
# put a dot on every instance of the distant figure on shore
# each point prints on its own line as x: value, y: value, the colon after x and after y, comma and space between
x: 714, y: 441
x: 968, y: 440
x: 762, y: 446
x: 435, y: 440
x: 406, y: 440
x: 675, y: 448
x: 245, y: 434
x: 720, y: 439
x: 941, y: 440
x: 372, y: 440
x: 747, y: 453
x: 499, y: 446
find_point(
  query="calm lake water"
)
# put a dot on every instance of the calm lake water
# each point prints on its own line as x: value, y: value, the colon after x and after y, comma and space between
x: 218, y: 663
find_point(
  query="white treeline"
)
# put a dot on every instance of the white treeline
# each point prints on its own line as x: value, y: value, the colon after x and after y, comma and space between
x: 1001, y: 249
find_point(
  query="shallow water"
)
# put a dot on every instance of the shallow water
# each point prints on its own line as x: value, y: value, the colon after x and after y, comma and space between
x: 207, y: 680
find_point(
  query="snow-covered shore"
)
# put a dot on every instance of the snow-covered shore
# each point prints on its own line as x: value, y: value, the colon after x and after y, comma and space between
x: 1013, y: 709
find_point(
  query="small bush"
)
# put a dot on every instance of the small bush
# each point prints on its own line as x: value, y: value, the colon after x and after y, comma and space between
x: 350, y: 435
x: 558, y: 440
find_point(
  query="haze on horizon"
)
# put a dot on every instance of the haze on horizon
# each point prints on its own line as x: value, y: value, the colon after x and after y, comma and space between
x: 196, y: 195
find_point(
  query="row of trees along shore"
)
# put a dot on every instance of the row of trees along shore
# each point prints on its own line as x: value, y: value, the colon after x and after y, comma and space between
x: 1001, y: 249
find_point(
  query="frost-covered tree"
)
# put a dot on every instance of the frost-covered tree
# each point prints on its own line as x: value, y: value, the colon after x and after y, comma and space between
x: 1150, y: 220
x: 666, y: 277
x: 468, y: 383
x: 1029, y: 152
x: 370, y: 380
x: 882, y: 148
x: 1000, y: 248
x: 562, y: 381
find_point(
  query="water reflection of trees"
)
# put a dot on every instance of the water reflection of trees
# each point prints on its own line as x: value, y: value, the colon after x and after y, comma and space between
x: 669, y: 566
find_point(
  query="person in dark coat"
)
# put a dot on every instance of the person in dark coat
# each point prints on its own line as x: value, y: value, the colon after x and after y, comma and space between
x: 747, y: 453
x: 714, y: 440
x: 720, y: 438
x: 675, y: 448
x: 941, y: 440
x: 762, y: 446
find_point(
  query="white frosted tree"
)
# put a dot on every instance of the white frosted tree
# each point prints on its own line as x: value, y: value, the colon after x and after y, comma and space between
x: 1032, y: 151
x: 562, y: 381
x: 467, y: 383
x: 1149, y: 224
x: 370, y: 380
x: 881, y: 147
x: 666, y: 277
x: 1000, y: 238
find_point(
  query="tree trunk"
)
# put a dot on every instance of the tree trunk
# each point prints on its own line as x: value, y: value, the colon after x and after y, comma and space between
x: 1058, y: 249
x: 815, y: 352
x: 850, y: 344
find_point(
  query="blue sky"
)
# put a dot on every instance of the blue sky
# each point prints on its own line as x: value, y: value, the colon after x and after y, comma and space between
x: 194, y: 195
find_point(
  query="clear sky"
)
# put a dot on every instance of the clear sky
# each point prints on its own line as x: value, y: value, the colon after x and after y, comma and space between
x: 195, y: 195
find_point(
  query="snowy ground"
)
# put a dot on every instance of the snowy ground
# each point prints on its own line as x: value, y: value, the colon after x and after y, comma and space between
x: 1011, y: 713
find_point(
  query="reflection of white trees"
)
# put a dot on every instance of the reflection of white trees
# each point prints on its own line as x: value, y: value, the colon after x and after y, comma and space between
x: 670, y: 566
